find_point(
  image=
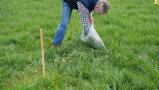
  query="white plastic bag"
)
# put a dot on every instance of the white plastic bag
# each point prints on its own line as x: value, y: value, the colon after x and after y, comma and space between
x: 92, y: 39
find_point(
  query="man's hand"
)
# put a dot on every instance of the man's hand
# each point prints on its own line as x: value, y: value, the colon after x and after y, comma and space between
x: 91, y: 20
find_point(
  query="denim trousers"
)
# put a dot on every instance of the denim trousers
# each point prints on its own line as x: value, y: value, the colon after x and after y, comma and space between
x: 65, y: 20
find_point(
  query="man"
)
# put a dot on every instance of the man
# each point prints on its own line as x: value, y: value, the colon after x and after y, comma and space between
x: 85, y: 8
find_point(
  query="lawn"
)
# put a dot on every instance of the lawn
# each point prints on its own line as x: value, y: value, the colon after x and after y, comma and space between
x: 130, y: 32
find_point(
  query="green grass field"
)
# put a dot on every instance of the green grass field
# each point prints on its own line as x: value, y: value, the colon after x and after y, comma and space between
x: 130, y: 32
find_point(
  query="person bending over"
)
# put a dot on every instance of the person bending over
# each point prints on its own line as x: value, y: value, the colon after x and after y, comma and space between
x: 85, y: 8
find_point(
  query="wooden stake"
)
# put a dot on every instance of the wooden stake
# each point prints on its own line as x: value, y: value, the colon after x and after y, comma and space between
x: 42, y: 52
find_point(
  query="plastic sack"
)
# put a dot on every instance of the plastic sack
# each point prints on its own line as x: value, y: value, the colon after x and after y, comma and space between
x: 92, y: 39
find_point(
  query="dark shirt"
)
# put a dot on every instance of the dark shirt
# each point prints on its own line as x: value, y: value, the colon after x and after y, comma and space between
x: 89, y: 4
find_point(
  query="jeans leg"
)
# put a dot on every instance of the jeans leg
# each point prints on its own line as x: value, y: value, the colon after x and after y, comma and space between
x: 61, y: 30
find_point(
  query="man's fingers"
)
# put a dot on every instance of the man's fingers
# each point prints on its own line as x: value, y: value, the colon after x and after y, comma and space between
x: 91, y: 21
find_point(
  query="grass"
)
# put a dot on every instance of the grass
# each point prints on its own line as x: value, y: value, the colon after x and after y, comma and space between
x: 130, y: 32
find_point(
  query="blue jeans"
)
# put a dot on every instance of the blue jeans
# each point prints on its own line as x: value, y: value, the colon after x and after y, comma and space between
x: 65, y: 20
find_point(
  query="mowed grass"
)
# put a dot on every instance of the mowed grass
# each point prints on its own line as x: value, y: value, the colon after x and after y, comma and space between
x: 130, y: 32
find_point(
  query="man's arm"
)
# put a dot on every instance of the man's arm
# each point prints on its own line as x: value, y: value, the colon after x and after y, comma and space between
x: 84, y: 17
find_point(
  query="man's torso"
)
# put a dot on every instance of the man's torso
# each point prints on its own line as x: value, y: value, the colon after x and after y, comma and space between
x: 89, y: 4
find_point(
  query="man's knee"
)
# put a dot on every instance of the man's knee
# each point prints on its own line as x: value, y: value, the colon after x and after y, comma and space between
x: 64, y: 24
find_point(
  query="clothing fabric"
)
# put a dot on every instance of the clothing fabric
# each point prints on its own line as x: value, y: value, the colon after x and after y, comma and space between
x: 89, y: 4
x: 61, y: 30
x: 84, y: 17
x: 72, y: 3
